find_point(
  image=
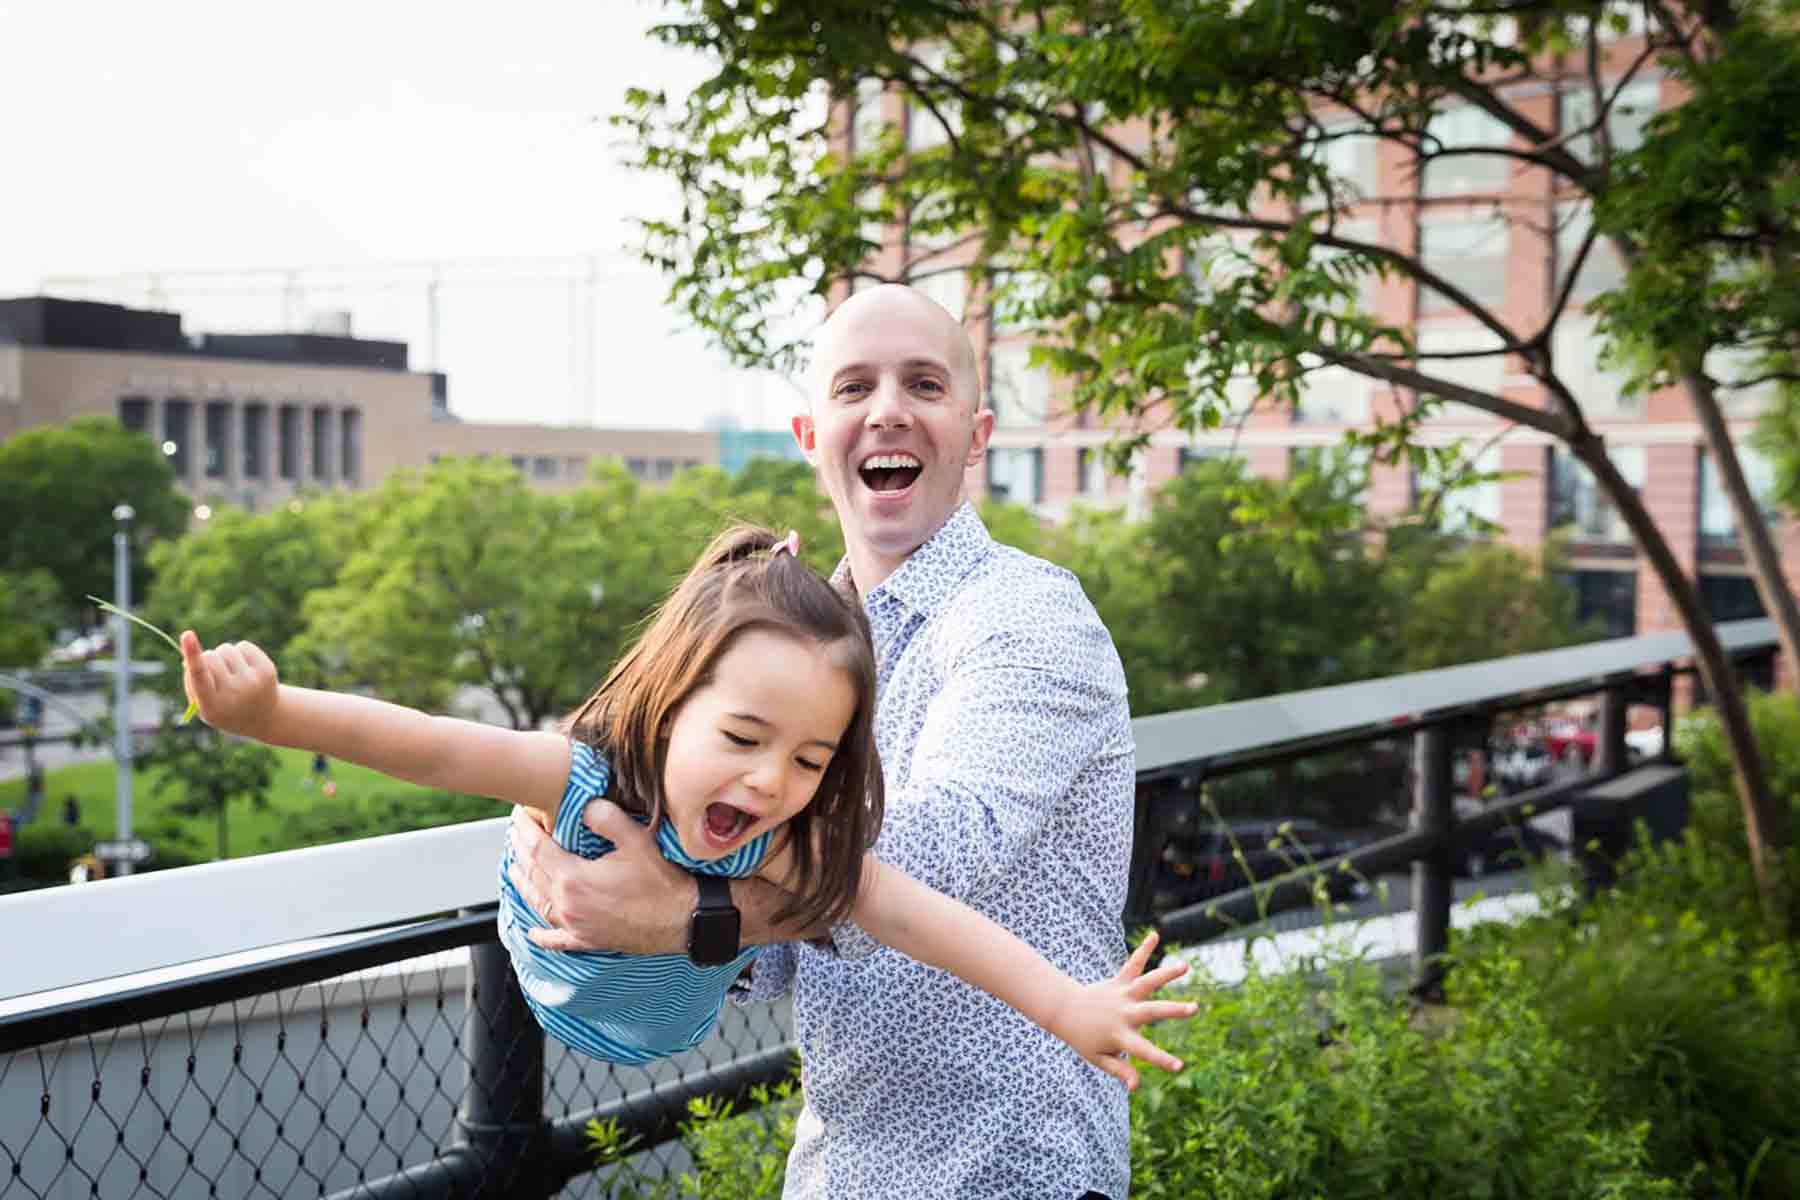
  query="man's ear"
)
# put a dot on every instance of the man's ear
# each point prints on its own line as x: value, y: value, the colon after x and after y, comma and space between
x: 804, y: 436
x: 979, y: 435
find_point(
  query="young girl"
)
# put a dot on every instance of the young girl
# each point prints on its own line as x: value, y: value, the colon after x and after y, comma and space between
x: 740, y: 728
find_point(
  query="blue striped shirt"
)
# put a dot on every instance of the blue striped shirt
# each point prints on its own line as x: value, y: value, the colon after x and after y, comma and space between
x: 620, y: 1008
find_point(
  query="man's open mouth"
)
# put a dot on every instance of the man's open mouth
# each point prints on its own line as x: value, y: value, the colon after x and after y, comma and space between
x: 890, y: 472
x: 725, y: 823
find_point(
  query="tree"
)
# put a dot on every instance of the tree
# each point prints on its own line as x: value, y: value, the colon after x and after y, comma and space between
x: 1486, y: 600
x: 1227, y: 117
x: 469, y: 578
x: 246, y: 576
x: 28, y: 607
x: 58, y: 487
x: 209, y: 772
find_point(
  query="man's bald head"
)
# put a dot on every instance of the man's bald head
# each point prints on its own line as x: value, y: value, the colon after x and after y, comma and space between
x: 894, y: 307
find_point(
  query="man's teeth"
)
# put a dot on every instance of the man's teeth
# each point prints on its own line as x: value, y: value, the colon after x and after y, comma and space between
x: 890, y: 462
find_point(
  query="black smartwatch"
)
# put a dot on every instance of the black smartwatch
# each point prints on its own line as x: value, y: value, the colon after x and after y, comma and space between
x: 713, y: 929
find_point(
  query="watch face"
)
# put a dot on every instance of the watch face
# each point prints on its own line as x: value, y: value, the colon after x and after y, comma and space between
x: 713, y: 936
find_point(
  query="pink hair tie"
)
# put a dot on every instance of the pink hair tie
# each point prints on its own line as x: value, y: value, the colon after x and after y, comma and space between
x: 790, y: 543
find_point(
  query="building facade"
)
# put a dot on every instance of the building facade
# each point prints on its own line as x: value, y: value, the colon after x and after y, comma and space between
x: 1502, y: 232
x: 251, y: 420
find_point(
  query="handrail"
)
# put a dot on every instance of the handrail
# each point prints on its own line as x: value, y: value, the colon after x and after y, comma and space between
x: 275, y: 899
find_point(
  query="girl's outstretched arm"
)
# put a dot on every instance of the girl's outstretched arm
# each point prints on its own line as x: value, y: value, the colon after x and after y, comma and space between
x: 1101, y: 1021
x: 237, y: 689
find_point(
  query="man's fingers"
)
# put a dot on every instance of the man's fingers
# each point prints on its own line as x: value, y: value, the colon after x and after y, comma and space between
x: 557, y: 939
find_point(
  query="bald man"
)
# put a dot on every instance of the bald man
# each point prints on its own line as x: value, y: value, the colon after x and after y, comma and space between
x: 1006, y: 743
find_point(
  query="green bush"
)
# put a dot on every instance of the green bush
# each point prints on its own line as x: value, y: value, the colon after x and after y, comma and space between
x: 348, y: 816
x: 1679, y: 1010
x: 1717, y: 816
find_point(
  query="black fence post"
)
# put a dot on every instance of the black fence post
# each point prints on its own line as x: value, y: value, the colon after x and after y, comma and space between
x: 1609, y: 739
x: 1432, y: 875
x: 502, y: 1115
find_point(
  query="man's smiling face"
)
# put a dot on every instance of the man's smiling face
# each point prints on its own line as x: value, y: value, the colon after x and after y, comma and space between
x: 892, y: 423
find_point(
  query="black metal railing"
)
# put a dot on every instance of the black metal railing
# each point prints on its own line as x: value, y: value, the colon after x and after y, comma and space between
x: 403, y: 1063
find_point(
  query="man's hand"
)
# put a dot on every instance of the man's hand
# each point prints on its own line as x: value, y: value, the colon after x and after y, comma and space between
x: 633, y: 901
x: 1103, y: 1022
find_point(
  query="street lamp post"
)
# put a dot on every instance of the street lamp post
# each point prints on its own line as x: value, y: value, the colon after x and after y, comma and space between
x: 122, y: 516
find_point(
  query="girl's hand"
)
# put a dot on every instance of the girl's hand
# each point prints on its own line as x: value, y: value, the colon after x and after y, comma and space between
x: 233, y: 684
x: 1103, y: 1019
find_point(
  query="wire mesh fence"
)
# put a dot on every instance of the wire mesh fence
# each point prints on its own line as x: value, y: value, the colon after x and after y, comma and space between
x: 328, y: 1088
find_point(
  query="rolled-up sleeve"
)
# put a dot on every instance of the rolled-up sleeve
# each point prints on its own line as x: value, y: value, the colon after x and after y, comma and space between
x: 770, y: 977
x: 1021, y: 712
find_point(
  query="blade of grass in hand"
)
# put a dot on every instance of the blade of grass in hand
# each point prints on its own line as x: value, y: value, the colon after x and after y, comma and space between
x: 193, y: 706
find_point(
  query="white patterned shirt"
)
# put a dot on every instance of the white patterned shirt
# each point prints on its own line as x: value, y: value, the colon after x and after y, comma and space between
x: 1006, y: 743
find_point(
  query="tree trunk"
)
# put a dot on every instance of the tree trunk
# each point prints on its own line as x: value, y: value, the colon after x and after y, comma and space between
x: 1766, y: 821
x: 1759, y: 548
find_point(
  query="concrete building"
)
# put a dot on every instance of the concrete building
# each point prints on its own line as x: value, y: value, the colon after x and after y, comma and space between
x: 251, y: 419
x: 1044, y: 455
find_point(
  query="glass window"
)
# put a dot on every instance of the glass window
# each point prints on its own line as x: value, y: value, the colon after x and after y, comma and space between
x: 1718, y: 524
x: 1737, y: 364
x: 1464, y: 508
x: 1352, y: 158
x: 1190, y: 456
x: 178, y: 420
x: 1603, y: 269
x: 1576, y: 502
x: 1469, y: 253
x: 288, y: 447
x: 1332, y: 395
x: 1625, y: 120
x: 543, y: 466
x: 256, y: 433
x: 638, y: 467
x: 1479, y: 372
x: 664, y: 468
x: 927, y: 225
x: 321, y: 443
x: 1217, y: 259
x: 866, y: 121
x: 1731, y: 598
x: 1607, y: 599
x: 134, y: 414
x: 925, y: 129
x: 1011, y: 297
x: 218, y: 437
x: 1015, y: 474
x: 1018, y: 392
x: 350, y: 445
x: 1367, y: 233
x: 1090, y: 470
x: 1598, y: 385
x: 575, y: 466
x: 1467, y: 128
x: 948, y: 288
x: 518, y: 462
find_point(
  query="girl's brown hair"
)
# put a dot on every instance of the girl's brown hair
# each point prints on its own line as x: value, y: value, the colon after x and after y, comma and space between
x: 740, y: 584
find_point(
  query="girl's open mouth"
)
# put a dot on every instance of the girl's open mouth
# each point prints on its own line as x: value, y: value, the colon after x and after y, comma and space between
x: 725, y: 824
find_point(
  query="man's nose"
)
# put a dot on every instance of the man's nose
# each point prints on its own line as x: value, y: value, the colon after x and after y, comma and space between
x: 887, y: 407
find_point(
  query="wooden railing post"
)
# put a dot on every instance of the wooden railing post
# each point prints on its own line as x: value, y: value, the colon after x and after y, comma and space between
x: 1432, y: 875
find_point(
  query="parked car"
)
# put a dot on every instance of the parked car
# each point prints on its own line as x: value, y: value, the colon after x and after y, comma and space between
x: 1570, y: 740
x: 1521, y: 764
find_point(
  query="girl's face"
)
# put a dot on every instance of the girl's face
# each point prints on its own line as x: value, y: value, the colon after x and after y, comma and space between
x: 747, y: 750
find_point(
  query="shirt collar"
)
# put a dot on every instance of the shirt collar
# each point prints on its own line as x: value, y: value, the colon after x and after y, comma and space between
x: 931, y: 573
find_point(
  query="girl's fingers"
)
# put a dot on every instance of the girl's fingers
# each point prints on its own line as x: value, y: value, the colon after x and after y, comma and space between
x: 1134, y: 966
x: 1120, y: 1069
x: 1139, y: 1046
x: 1163, y: 1010
x: 1169, y: 972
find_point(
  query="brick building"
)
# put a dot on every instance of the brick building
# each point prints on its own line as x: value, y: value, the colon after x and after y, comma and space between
x: 1045, y: 456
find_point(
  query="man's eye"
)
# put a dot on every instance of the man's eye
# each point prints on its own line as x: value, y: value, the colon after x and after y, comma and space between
x: 852, y: 390
x: 735, y: 740
x: 929, y: 385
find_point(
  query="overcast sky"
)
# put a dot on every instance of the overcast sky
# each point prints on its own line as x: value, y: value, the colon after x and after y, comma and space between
x: 200, y: 134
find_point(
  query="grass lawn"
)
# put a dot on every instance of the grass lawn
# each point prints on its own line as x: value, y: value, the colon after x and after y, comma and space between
x: 250, y: 830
